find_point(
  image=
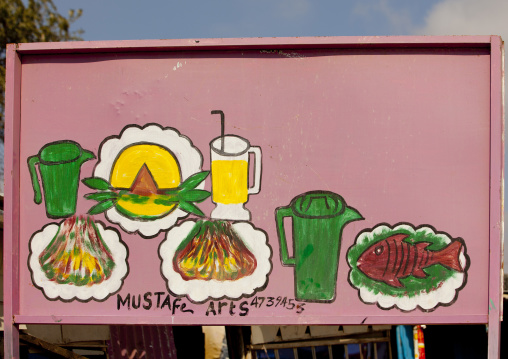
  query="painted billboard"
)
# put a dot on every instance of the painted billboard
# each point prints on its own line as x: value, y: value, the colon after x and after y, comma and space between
x: 263, y: 181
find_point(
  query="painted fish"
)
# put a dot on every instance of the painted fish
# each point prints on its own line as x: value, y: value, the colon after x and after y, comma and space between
x: 391, y: 259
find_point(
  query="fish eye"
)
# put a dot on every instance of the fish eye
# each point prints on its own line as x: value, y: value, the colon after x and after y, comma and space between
x: 378, y: 250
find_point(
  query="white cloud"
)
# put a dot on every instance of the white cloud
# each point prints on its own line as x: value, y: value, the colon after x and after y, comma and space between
x: 445, y: 17
x: 467, y: 17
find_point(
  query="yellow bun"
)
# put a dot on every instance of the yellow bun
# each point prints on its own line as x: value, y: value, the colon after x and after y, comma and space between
x: 164, y: 169
x: 160, y: 162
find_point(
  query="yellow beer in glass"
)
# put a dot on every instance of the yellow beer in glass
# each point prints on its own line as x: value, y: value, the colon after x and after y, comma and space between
x: 230, y: 181
x: 230, y: 176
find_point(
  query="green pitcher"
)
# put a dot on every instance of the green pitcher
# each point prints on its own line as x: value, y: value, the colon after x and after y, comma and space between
x: 59, y: 165
x: 318, y: 220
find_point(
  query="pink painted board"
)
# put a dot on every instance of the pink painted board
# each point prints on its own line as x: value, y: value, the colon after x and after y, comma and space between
x: 405, y: 130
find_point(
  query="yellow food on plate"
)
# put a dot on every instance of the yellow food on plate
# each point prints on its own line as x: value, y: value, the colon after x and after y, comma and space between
x: 161, y: 163
x: 140, y: 164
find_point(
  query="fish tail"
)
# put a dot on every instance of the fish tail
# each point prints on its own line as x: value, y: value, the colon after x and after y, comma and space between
x: 450, y: 256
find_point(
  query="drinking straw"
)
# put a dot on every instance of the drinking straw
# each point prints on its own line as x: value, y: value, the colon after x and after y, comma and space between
x: 216, y: 112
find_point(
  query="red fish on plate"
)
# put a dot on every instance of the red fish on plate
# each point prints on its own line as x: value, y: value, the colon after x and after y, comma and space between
x: 393, y: 258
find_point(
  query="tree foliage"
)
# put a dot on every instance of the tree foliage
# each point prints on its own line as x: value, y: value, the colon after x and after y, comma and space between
x: 31, y: 21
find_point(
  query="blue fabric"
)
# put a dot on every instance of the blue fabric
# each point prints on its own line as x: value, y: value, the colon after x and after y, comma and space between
x: 405, y: 343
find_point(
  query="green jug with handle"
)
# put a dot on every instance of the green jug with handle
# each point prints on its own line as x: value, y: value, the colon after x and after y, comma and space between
x: 59, y: 166
x: 318, y: 220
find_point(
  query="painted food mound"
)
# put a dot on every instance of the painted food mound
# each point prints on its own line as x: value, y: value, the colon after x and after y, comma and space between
x: 77, y: 259
x: 77, y: 254
x: 407, y: 267
x: 213, y: 250
x: 215, y: 259
x: 143, y: 164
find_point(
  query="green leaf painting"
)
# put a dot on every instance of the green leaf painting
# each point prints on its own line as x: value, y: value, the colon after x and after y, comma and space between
x: 183, y: 196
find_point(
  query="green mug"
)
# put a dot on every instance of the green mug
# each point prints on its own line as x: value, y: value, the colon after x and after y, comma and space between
x: 59, y: 166
x: 318, y: 220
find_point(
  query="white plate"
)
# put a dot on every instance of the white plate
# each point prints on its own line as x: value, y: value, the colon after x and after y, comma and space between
x: 67, y: 292
x: 198, y: 290
x: 189, y: 159
x: 446, y: 294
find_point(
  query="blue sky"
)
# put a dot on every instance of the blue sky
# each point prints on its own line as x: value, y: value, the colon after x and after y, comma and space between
x: 163, y: 19
x: 166, y: 19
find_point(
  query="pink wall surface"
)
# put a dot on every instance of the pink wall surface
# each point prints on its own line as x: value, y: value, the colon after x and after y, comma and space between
x: 402, y: 134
